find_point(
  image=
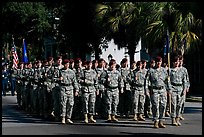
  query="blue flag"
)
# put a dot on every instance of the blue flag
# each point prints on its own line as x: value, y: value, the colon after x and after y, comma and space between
x: 25, y: 57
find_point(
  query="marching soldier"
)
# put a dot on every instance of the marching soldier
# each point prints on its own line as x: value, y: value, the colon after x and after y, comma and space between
x: 101, y: 98
x: 137, y: 80
x: 185, y: 73
x: 47, y: 87
x: 114, y: 82
x: 78, y: 69
x: 178, y: 88
x: 89, y: 83
x: 158, y: 79
x: 148, y: 104
x: 125, y: 99
x: 68, y: 88
x: 56, y: 87
x: 19, y: 84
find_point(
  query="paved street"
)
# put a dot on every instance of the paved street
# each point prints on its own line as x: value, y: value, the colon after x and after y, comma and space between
x: 17, y: 122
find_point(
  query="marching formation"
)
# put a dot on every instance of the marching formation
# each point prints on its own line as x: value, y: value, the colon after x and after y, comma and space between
x: 70, y: 89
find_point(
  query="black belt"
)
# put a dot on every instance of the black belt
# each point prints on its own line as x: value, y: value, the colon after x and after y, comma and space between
x: 176, y: 84
x: 112, y: 87
x: 62, y: 84
x: 138, y: 85
x: 159, y: 88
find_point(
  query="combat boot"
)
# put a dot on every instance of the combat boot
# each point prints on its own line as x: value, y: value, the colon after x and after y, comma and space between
x: 92, y: 119
x: 135, y: 117
x: 161, y: 125
x: 69, y: 121
x: 86, y: 118
x: 178, y: 121
x: 167, y: 114
x: 63, y: 120
x: 114, y: 118
x: 156, y: 124
x: 109, y: 118
x: 181, y: 118
x: 174, y: 122
x: 140, y: 118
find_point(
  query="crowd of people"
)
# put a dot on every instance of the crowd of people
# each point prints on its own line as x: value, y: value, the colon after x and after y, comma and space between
x: 71, y: 89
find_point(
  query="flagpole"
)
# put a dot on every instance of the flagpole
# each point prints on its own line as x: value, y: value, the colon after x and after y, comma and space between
x: 168, y: 56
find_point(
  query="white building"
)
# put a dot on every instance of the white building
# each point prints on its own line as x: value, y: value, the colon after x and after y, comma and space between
x: 112, y: 51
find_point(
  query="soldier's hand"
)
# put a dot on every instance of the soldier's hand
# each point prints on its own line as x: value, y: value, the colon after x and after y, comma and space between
x: 76, y: 93
x: 136, y: 78
x: 147, y: 93
x: 61, y: 78
x: 97, y: 92
x: 121, y: 90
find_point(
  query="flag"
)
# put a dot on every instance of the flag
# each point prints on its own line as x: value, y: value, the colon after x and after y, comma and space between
x: 15, y: 56
x: 25, y: 57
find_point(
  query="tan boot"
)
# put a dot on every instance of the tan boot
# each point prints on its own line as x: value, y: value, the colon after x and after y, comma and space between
x: 161, y: 125
x: 63, y: 120
x: 178, y: 121
x: 69, y: 121
x: 156, y: 124
x: 92, y: 119
x: 174, y: 122
x: 140, y: 118
x: 109, y: 118
x: 114, y: 118
x: 181, y: 118
x: 86, y: 120
x: 135, y: 117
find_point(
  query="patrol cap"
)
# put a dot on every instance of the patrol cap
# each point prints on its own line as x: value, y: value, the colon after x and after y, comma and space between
x: 65, y: 61
x: 158, y: 59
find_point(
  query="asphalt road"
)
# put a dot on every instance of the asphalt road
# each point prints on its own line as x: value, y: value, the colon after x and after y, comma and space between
x: 18, y: 122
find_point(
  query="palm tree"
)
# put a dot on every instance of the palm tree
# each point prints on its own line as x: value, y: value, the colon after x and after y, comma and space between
x: 166, y: 16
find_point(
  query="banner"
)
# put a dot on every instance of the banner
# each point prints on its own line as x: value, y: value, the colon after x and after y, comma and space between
x: 25, y: 57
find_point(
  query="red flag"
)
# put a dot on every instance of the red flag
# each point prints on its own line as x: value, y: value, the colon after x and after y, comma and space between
x: 15, y: 56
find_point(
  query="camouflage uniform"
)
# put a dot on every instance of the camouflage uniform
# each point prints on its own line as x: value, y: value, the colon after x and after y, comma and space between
x: 89, y: 83
x: 19, y: 85
x: 158, y: 80
x: 56, y: 91
x: 178, y: 86
x: 77, y: 110
x: 185, y: 73
x: 125, y: 99
x: 69, y: 85
x: 137, y: 80
x: 47, y: 87
x: 100, y: 101
x: 114, y: 82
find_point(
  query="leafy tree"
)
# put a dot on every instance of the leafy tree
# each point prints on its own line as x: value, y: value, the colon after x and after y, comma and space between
x: 27, y: 20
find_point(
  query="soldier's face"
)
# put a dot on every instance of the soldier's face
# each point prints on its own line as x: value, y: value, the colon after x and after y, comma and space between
x: 66, y: 65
